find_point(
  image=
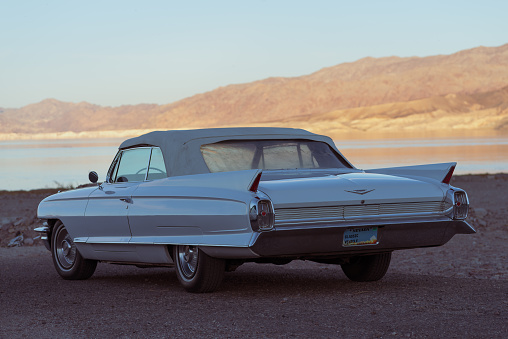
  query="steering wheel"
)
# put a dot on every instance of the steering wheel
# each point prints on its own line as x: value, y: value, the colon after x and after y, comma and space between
x: 151, y: 168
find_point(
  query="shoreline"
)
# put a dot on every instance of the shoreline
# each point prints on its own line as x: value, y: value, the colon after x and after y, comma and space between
x: 111, y: 134
x: 335, y: 134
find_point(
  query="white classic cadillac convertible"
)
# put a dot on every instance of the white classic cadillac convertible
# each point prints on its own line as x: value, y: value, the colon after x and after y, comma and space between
x: 206, y: 201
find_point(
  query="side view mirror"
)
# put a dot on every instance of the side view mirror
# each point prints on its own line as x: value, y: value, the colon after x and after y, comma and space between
x: 93, y: 176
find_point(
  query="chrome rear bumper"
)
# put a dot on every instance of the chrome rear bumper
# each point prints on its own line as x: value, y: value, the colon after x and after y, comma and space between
x: 324, y: 241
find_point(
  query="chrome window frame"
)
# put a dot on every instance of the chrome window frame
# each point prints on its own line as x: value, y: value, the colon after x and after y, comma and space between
x: 150, y: 161
x: 110, y: 177
x: 112, y: 167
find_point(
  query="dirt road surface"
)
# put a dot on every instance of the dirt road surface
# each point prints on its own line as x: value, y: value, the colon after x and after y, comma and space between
x: 459, y: 290
x: 302, y: 300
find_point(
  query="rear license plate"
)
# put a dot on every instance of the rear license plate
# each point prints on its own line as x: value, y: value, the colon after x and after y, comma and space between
x: 360, y: 236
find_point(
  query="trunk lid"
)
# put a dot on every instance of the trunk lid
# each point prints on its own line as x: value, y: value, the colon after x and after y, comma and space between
x: 349, y: 189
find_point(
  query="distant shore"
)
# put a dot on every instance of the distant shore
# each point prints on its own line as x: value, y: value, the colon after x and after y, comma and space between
x: 74, y: 135
x: 335, y: 134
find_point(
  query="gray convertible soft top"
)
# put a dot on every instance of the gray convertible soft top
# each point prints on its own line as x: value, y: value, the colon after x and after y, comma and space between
x: 181, y: 148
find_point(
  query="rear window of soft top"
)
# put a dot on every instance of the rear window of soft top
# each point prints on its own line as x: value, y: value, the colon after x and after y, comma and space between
x: 237, y: 155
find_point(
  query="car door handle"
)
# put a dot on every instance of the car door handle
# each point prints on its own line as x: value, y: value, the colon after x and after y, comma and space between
x: 127, y: 200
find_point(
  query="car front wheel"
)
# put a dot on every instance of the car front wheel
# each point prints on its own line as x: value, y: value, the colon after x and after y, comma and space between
x: 66, y: 258
x: 368, y: 267
x: 196, y: 271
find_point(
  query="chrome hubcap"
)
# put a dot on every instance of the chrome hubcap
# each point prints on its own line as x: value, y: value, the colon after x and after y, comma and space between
x: 188, y: 260
x: 65, y: 249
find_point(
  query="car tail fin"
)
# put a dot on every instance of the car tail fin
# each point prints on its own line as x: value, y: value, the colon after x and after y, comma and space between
x: 448, y: 177
x: 441, y: 172
x: 255, y: 183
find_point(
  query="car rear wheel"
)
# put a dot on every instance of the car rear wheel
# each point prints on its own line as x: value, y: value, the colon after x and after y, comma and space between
x: 196, y: 271
x: 368, y: 267
x: 66, y: 258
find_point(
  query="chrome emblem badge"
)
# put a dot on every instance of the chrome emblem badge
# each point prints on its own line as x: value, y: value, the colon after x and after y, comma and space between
x: 361, y: 192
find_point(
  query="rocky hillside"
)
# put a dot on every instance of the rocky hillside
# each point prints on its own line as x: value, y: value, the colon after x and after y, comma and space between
x: 368, y: 93
x: 363, y: 83
x: 51, y: 115
x: 451, y: 112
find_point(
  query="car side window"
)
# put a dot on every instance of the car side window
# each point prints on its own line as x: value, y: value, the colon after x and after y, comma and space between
x: 157, y: 168
x: 132, y: 165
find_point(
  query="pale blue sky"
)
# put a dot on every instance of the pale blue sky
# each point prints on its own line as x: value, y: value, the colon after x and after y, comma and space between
x: 128, y: 52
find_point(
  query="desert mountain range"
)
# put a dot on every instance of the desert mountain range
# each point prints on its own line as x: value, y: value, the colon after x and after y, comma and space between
x: 462, y: 91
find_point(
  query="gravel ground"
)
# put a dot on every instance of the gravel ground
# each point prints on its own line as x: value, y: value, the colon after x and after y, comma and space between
x: 459, y: 290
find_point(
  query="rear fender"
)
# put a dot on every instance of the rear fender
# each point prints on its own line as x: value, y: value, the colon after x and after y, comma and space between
x: 236, y: 180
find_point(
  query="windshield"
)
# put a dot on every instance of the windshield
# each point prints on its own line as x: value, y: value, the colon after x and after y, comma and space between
x: 240, y: 155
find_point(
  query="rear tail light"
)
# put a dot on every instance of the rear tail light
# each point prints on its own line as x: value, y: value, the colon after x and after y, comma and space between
x: 460, y: 205
x: 261, y: 215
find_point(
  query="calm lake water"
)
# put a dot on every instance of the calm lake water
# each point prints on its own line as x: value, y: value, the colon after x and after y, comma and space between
x: 31, y: 164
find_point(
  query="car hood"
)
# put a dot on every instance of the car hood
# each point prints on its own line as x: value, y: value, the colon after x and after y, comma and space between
x: 349, y: 189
